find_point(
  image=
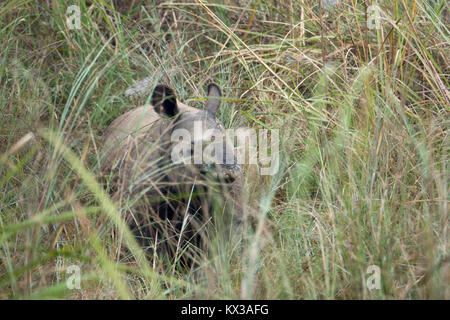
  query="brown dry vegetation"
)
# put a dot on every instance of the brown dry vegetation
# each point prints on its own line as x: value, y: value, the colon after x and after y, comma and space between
x: 363, y: 121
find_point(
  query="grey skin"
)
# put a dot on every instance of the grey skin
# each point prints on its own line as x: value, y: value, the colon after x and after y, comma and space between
x: 137, y: 152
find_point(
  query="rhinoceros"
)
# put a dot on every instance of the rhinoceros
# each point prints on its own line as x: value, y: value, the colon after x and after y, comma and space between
x: 177, y: 170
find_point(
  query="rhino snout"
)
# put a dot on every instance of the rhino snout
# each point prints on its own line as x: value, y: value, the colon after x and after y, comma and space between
x: 231, y: 173
x: 227, y: 172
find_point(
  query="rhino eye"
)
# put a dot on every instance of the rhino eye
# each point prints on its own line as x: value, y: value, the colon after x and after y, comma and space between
x: 192, y: 148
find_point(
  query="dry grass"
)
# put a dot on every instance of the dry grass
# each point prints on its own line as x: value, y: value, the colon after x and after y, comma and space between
x: 363, y: 120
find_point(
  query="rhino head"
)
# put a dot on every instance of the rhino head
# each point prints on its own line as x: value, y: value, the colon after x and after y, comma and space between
x: 198, y: 141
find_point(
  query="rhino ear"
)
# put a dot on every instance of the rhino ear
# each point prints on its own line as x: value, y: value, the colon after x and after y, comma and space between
x: 214, y: 95
x: 164, y: 101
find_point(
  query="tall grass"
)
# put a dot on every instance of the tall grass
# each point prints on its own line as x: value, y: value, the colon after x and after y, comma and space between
x: 363, y: 119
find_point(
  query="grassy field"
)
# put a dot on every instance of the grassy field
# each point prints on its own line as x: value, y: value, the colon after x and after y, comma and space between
x: 362, y: 108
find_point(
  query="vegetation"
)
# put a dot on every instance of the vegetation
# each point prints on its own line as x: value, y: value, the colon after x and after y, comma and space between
x: 362, y: 109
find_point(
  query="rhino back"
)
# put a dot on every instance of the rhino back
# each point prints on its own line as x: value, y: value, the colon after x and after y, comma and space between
x: 135, y: 136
